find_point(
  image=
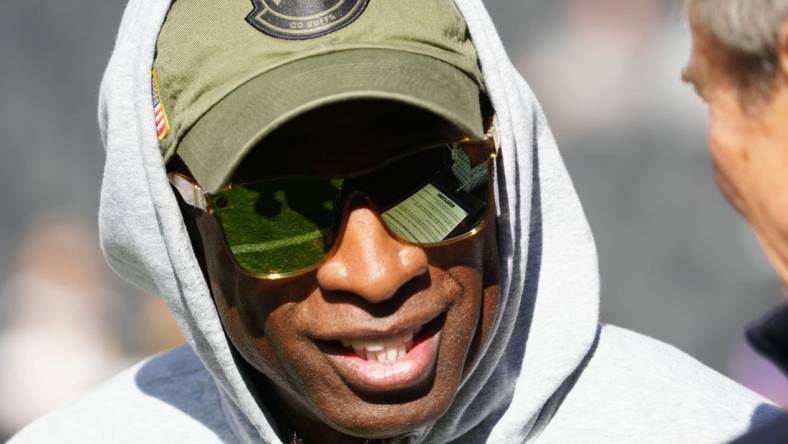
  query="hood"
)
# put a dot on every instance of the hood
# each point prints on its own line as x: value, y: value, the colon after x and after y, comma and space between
x: 548, y: 316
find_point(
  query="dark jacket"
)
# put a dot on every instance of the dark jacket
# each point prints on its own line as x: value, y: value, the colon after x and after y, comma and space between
x: 769, y: 336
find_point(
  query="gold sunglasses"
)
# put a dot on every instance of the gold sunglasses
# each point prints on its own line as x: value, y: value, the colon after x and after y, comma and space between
x: 281, y: 227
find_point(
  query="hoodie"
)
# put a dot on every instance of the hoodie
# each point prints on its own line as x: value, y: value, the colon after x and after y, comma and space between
x: 550, y: 372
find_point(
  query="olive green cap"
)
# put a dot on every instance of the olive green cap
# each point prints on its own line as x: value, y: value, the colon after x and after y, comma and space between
x: 229, y: 73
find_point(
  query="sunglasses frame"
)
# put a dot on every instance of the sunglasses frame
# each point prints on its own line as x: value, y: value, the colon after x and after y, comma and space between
x: 195, y: 196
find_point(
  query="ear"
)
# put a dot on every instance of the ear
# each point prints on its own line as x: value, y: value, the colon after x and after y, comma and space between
x: 782, y: 54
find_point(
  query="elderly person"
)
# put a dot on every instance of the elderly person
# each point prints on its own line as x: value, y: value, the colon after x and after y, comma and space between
x: 739, y: 67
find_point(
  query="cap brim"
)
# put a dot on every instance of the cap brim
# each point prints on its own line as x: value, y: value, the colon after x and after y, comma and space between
x: 219, y: 140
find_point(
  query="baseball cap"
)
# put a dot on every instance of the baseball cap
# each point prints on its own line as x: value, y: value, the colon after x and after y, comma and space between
x: 227, y: 74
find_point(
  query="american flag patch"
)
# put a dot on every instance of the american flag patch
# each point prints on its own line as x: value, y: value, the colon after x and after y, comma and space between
x: 159, y: 116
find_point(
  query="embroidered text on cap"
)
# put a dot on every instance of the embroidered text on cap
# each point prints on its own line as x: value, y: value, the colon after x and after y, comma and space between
x: 303, y: 19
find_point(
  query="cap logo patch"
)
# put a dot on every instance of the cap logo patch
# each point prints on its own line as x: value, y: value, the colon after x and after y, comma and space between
x: 303, y: 19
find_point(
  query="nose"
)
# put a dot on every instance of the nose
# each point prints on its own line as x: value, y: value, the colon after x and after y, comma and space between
x: 369, y: 262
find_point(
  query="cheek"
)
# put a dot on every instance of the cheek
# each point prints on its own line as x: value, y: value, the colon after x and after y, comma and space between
x: 479, y: 277
x: 292, y: 362
x: 725, y: 141
x: 748, y: 163
x: 259, y: 337
x: 490, y: 293
x: 729, y: 146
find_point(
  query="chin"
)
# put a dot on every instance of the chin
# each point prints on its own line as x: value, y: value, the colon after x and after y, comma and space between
x: 363, y: 419
x: 349, y: 401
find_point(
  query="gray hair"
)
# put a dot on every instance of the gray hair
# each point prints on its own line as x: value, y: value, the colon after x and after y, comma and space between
x: 748, y: 32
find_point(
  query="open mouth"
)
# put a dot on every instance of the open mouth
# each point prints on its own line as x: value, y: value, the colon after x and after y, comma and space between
x: 387, y: 362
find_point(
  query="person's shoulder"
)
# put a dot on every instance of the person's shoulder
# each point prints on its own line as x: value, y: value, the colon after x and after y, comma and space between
x: 169, y: 397
x: 656, y: 363
x: 634, y: 387
x: 773, y: 432
x: 656, y: 366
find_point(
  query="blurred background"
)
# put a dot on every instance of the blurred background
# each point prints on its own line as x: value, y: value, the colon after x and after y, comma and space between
x: 676, y: 262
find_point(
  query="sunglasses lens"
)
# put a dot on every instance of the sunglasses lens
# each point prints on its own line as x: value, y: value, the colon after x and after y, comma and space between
x: 278, y: 226
x: 432, y: 196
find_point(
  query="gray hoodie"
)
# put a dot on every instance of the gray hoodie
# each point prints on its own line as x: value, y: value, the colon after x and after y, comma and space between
x: 550, y: 373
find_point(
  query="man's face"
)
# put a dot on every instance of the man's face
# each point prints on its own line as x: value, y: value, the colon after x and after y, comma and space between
x: 749, y: 145
x: 420, y: 315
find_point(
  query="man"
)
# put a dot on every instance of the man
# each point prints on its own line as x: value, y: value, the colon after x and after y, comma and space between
x: 739, y: 67
x: 366, y: 233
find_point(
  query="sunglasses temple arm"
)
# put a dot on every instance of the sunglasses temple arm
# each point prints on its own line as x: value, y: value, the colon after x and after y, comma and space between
x: 190, y: 192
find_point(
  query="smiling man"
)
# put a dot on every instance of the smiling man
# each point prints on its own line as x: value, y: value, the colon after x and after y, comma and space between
x: 366, y: 232
x: 357, y: 288
x: 342, y: 213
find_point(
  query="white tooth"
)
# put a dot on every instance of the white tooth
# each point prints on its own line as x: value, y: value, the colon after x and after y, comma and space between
x: 381, y: 357
x: 374, y: 346
x: 409, y: 345
x: 407, y: 336
x: 391, y: 353
x: 401, y: 352
x: 360, y: 351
